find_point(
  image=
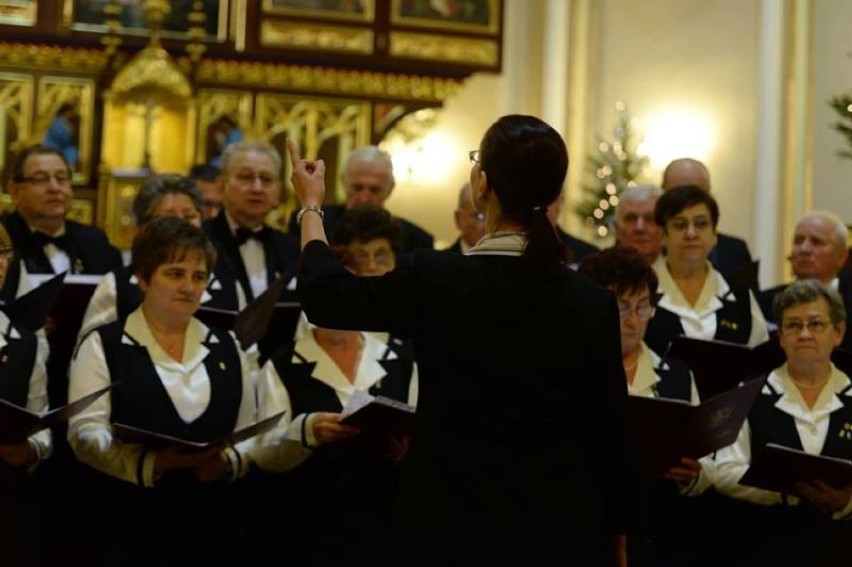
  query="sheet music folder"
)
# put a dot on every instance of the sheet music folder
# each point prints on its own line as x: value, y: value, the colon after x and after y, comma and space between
x: 17, y: 423
x: 718, y: 366
x: 257, y: 318
x: 667, y: 430
x: 379, y: 418
x: 63, y: 297
x: 779, y: 468
x: 158, y: 440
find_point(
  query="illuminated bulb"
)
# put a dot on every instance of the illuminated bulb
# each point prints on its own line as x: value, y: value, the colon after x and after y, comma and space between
x: 604, y: 147
x: 598, y: 214
x: 607, y: 170
x: 613, y: 201
x: 611, y: 188
x: 604, y: 204
x: 602, y: 231
x: 620, y: 106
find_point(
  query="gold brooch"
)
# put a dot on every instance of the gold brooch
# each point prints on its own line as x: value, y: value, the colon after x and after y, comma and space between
x: 78, y: 266
x: 729, y: 324
x: 222, y: 366
x: 846, y: 431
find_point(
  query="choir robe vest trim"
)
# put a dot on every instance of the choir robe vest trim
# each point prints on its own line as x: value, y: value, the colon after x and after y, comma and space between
x: 279, y: 252
x: 17, y: 358
x: 733, y: 322
x: 141, y: 400
x: 128, y: 298
x: 307, y: 394
x: 675, y: 380
x: 769, y: 424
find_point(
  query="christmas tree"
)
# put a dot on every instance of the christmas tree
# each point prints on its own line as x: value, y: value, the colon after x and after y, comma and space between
x: 843, y: 106
x: 612, y: 169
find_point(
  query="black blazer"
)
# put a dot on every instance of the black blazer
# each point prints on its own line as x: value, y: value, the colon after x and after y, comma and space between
x: 730, y: 254
x: 279, y: 248
x: 522, y: 401
x: 90, y: 252
x: 413, y: 237
x: 579, y: 248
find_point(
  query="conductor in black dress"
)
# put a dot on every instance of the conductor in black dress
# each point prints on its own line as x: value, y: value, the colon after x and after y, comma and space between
x: 520, y: 446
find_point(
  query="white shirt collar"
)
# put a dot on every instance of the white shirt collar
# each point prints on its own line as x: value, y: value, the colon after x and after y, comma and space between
x: 194, y: 351
x: 713, y: 292
x: 499, y: 244
x: 645, y: 381
x: 369, y: 369
x: 791, y: 401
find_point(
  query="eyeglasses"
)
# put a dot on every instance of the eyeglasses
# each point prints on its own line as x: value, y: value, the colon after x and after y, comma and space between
x: 795, y: 327
x: 700, y: 224
x: 6, y: 253
x: 61, y: 178
x: 383, y: 258
x: 473, y: 155
x: 643, y: 311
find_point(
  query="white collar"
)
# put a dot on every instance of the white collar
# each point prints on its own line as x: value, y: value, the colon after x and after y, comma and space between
x: 645, y: 379
x: 369, y: 369
x: 791, y: 401
x: 714, y: 291
x: 136, y: 331
x: 499, y: 244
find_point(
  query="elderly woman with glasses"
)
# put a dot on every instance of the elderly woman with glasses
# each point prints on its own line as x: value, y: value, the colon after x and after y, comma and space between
x: 117, y: 294
x: 667, y: 538
x: 322, y: 371
x: 23, y: 382
x: 806, y: 404
x: 694, y: 299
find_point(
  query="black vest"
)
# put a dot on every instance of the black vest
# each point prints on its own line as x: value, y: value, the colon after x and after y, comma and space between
x: 769, y: 424
x: 141, y: 400
x: 17, y: 359
x: 733, y: 322
x: 675, y: 381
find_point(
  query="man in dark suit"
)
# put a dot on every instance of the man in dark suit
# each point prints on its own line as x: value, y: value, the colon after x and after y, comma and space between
x: 251, y: 252
x: 818, y: 252
x: 579, y: 248
x: 730, y: 256
x: 469, y: 221
x: 45, y: 241
x: 368, y: 180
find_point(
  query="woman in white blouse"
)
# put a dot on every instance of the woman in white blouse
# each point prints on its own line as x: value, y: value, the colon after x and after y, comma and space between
x: 694, y: 299
x: 173, y: 376
x: 23, y: 382
x: 668, y: 533
x: 806, y: 404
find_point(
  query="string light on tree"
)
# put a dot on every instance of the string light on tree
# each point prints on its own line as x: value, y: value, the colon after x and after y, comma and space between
x: 843, y: 106
x: 614, y: 167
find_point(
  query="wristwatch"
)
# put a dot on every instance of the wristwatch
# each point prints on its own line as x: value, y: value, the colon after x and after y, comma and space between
x: 312, y: 208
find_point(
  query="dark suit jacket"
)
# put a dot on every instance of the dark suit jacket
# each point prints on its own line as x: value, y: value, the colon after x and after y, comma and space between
x: 730, y: 254
x: 90, y: 252
x: 522, y: 401
x: 579, y: 248
x: 413, y: 237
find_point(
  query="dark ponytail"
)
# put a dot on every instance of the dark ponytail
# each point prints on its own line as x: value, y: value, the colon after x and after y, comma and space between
x: 526, y: 162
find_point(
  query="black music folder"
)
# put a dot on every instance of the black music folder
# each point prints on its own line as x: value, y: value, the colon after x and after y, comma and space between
x: 62, y: 298
x: 667, y: 430
x: 17, y: 423
x: 263, y: 315
x: 32, y: 309
x: 718, y: 366
x: 155, y: 440
x: 778, y: 468
x: 380, y: 419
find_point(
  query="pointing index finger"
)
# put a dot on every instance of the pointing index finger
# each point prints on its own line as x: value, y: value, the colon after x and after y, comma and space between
x: 293, y: 151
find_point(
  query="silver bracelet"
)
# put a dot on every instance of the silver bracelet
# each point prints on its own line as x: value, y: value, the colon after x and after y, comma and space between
x: 304, y: 210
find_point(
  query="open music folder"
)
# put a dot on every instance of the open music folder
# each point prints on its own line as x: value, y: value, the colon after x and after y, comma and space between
x: 667, y: 430
x: 265, y: 314
x: 380, y: 419
x: 17, y: 423
x: 718, y: 366
x: 778, y: 468
x: 156, y: 440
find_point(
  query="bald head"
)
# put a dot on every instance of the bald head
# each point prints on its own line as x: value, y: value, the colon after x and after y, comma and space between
x: 367, y: 177
x: 686, y: 171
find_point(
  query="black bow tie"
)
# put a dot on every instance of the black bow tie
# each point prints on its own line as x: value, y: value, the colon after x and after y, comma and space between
x: 243, y: 235
x: 43, y: 240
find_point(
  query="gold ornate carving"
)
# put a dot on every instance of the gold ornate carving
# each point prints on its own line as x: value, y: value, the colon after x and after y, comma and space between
x: 307, y: 36
x: 327, y: 81
x: 443, y: 48
x: 316, y: 125
x: 43, y: 57
x: 16, y: 100
x: 484, y: 18
x: 53, y: 92
x: 152, y: 67
x: 213, y: 104
x: 19, y: 13
x: 363, y: 11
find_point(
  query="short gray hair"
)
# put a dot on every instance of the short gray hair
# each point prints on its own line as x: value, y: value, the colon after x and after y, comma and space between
x: 840, y: 230
x: 808, y: 291
x: 246, y: 146
x: 369, y: 154
x: 638, y: 193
